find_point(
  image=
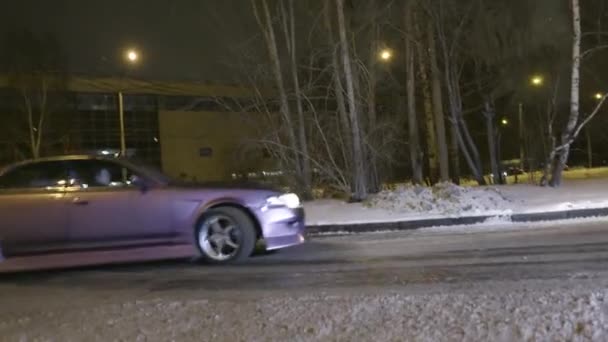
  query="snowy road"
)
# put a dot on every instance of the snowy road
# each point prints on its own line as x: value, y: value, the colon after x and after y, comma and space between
x: 509, y: 283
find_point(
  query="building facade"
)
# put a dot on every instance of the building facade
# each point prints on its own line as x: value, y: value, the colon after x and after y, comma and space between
x: 195, y: 131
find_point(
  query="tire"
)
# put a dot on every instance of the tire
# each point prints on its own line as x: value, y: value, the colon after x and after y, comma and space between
x: 225, y: 235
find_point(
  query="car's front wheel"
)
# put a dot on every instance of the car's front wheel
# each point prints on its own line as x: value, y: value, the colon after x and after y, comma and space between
x: 225, y: 235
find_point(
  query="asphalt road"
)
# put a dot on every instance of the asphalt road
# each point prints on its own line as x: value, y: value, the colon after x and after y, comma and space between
x: 329, y: 279
x: 562, y: 249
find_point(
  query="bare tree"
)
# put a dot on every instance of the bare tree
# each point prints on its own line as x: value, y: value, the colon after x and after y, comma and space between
x: 413, y: 127
x: 360, y: 181
x: 289, y: 29
x: 437, y: 94
x: 429, y: 122
x: 561, y: 153
x: 489, y: 113
x: 452, y: 69
x: 35, y: 67
x: 372, y: 115
x: 265, y: 21
x: 337, y: 86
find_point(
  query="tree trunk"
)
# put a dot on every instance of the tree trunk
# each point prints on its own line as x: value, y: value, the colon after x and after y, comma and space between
x: 522, y: 140
x: 431, y: 139
x: 271, y: 44
x: 339, y: 90
x: 412, y: 119
x: 459, y: 128
x: 589, y: 148
x: 33, y: 133
x: 442, y: 146
x: 303, y: 143
x: 454, y: 155
x: 374, y: 182
x: 489, y: 114
x: 359, y: 176
x: 562, y: 157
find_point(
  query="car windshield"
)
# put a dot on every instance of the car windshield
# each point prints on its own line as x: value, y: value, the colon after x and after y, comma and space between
x: 149, y: 171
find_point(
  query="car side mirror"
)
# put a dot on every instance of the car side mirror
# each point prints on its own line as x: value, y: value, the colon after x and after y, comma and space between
x: 141, y: 183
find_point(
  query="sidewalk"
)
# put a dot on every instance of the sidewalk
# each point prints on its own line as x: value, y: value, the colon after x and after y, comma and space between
x: 577, y: 198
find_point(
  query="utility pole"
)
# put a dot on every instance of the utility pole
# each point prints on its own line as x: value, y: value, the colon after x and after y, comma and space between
x: 121, y: 116
x: 132, y: 57
x: 522, y: 151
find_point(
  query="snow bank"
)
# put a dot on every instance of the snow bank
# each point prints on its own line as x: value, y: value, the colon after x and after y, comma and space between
x: 406, y: 203
x: 443, y: 199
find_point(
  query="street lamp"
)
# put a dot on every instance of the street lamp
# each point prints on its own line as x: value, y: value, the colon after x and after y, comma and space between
x: 504, y: 122
x: 386, y: 55
x: 132, y: 57
x: 537, y: 80
x: 598, y: 96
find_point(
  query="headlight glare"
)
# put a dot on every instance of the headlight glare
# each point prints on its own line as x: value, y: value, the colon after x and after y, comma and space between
x: 291, y: 201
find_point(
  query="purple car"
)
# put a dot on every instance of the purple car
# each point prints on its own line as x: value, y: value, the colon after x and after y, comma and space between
x: 75, y: 203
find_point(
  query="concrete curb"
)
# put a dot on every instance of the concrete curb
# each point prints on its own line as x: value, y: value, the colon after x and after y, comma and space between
x: 455, y: 221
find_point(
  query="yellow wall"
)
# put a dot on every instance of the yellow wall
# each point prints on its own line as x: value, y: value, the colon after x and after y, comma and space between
x: 184, y: 133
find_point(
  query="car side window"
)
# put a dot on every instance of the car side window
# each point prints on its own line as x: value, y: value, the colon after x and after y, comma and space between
x: 99, y: 174
x: 36, y: 175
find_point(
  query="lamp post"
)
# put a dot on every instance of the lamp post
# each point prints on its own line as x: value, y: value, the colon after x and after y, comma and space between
x: 132, y: 57
x: 597, y: 97
x: 535, y: 81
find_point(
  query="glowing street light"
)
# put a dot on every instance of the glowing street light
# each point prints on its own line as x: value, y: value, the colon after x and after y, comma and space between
x: 504, y: 122
x: 386, y: 55
x: 132, y: 56
x: 537, y: 80
x: 598, y: 96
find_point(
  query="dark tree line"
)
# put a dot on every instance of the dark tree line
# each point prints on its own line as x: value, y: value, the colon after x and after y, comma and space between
x: 372, y: 91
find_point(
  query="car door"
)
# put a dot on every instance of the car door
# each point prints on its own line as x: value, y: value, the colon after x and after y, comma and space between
x: 152, y: 206
x: 33, y: 212
x: 104, y: 206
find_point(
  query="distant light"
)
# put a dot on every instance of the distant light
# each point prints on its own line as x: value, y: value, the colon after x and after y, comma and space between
x: 155, y: 139
x: 504, y: 122
x: 386, y: 55
x: 598, y: 96
x: 105, y: 152
x: 132, y: 56
x: 537, y: 80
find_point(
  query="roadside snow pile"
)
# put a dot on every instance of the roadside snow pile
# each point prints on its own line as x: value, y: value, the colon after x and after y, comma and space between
x: 443, y: 198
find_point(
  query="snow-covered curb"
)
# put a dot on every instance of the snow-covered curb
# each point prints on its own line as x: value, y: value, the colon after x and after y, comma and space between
x: 493, y: 224
x: 458, y: 221
x: 455, y: 205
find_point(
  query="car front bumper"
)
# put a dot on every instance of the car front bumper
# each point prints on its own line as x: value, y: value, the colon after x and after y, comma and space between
x: 282, y: 227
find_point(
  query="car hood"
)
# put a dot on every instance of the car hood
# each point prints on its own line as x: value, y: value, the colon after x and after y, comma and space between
x: 236, y: 185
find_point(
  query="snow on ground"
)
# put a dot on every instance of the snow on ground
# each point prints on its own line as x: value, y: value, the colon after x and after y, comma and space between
x: 442, y: 199
x: 562, y: 310
x: 412, y: 203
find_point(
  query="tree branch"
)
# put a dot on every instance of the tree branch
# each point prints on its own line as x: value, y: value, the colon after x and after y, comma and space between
x: 594, y: 50
x: 582, y: 125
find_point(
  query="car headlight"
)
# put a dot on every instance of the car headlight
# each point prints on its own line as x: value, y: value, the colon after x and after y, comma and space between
x: 291, y: 201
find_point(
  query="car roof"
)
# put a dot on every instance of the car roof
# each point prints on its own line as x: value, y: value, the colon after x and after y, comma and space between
x: 56, y: 158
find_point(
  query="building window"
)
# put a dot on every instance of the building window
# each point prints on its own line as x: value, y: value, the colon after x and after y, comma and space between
x: 205, y: 152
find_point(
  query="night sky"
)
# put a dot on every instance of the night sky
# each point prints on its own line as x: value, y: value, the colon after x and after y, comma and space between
x: 178, y: 40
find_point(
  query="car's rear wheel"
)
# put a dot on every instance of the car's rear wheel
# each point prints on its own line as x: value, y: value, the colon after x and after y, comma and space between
x: 225, y: 235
